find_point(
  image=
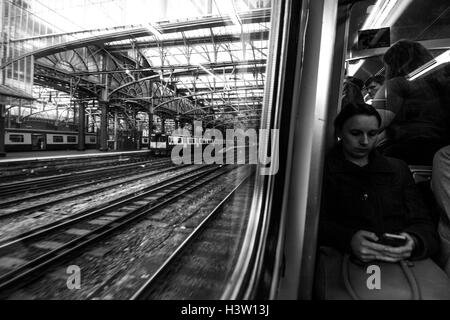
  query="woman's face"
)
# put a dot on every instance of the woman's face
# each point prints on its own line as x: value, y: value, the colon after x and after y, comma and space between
x: 359, y: 135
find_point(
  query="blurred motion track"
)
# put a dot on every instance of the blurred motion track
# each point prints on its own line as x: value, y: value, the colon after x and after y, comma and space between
x: 96, y: 225
x: 71, y: 188
x: 12, y: 188
x: 201, y: 265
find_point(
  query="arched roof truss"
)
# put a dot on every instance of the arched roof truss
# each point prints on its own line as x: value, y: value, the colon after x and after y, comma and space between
x: 207, y: 68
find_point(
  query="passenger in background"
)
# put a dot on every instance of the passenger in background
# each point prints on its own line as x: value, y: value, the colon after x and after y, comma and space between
x: 440, y: 184
x: 415, y: 119
x: 366, y: 194
x: 372, y: 85
x: 352, y: 91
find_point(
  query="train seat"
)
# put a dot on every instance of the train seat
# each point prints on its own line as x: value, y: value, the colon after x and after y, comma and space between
x: 422, y: 177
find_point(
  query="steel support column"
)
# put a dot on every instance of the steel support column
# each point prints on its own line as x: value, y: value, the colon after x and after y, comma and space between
x: 81, y: 126
x: 177, y: 122
x: 104, y: 125
x: 163, y: 125
x: 2, y: 130
x: 116, y: 130
x: 150, y: 123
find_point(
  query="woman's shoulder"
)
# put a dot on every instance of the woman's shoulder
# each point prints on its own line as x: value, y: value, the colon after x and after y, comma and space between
x: 397, y: 165
x: 397, y: 83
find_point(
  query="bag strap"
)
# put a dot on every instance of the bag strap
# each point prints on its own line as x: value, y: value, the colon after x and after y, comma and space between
x: 404, y: 265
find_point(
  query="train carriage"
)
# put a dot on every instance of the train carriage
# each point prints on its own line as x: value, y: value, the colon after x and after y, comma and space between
x: 158, y: 144
x: 36, y: 140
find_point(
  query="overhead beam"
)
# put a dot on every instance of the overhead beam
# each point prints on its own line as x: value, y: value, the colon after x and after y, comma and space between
x: 258, y: 16
x: 229, y: 38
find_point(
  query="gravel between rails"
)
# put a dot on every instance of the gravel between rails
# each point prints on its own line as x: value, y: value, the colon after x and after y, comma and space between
x: 15, y: 225
x: 114, y: 268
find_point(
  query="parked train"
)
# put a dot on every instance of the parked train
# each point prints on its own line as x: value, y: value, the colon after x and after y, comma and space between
x: 36, y: 140
x: 162, y: 144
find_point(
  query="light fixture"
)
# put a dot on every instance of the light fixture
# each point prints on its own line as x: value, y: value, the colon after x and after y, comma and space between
x: 430, y: 66
x: 384, y: 14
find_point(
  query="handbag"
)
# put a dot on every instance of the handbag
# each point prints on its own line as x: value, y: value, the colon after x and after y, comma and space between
x: 340, y: 277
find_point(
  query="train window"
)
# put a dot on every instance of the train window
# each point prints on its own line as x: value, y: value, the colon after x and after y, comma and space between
x: 58, y: 139
x: 215, y: 66
x: 16, y: 138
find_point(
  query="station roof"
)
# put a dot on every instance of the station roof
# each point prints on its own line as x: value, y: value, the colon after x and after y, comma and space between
x: 211, y: 68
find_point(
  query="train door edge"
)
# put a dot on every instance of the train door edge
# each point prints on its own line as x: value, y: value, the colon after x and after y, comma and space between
x: 38, y: 142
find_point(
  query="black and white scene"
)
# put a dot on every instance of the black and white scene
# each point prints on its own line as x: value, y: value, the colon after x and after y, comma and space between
x: 243, y: 151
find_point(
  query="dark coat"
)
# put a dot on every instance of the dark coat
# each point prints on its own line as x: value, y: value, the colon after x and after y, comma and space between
x: 421, y: 123
x: 379, y: 197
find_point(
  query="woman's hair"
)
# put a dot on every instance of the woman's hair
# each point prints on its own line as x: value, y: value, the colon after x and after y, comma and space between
x: 355, y: 109
x: 405, y: 56
x: 352, y: 90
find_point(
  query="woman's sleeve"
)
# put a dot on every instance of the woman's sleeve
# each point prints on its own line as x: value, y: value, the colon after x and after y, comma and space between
x: 331, y: 232
x: 419, y: 223
x: 389, y: 100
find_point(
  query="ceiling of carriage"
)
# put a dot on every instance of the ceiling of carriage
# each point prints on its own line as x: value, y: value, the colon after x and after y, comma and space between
x: 419, y: 20
x: 208, y: 64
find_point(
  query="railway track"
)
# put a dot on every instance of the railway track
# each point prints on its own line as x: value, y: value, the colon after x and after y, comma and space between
x: 46, y: 246
x: 13, y: 188
x: 201, y: 266
x: 152, y: 169
x: 34, y: 208
x: 24, y: 170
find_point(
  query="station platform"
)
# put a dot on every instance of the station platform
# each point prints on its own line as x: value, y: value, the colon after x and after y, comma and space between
x: 60, y: 154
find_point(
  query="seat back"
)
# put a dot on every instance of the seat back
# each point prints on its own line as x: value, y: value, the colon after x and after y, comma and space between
x: 422, y: 177
x: 421, y: 173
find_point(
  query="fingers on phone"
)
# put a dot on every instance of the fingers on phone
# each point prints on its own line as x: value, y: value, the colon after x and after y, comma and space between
x: 374, y: 245
x: 388, y: 258
x: 369, y: 235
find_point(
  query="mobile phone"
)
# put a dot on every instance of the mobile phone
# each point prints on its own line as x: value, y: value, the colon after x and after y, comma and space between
x: 392, y: 240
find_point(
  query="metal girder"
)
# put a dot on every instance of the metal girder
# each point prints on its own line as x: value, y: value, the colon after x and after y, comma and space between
x: 218, y: 39
x: 47, y: 76
x: 137, y: 79
x: 258, y: 16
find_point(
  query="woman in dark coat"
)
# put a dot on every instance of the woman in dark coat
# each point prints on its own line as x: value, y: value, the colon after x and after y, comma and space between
x: 415, y: 115
x: 366, y: 194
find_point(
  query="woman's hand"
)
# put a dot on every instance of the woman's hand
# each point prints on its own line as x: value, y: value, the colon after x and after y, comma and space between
x: 400, y: 253
x: 366, y: 249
